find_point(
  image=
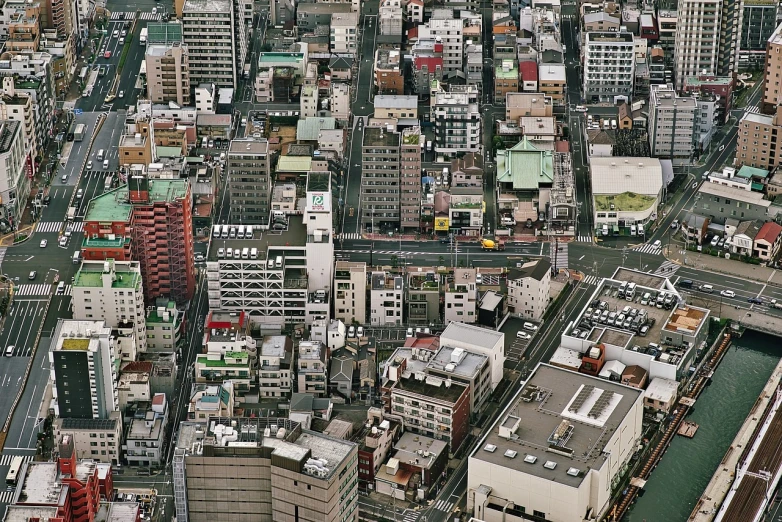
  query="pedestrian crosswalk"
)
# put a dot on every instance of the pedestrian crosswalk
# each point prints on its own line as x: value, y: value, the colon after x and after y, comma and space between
x: 411, y: 516
x: 667, y: 269
x: 559, y: 255
x: 584, y: 239
x: 119, y: 15
x: 753, y: 109
x: 5, y: 459
x: 590, y: 280
x: 442, y: 505
x: 649, y: 249
x: 38, y: 289
x: 56, y: 226
x: 2, y: 254
x: 150, y: 16
x: 350, y: 235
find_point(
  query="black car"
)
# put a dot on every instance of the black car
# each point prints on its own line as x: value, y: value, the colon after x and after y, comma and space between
x: 755, y: 300
x: 47, y: 200
x: 70, y: 136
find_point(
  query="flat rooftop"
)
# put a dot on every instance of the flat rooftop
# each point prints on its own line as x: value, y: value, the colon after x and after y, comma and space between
x: 583, y: 410
x: 91, y: 275
x: 40, y: 484
x: 380, y: 137
x: 114, y: 205
x: 294, y: 237
x: 22, y: 513
x: 457, y: 361
x: 140, y: 431
x: 409, y: 444
x: 431, y: 387
x: 686, y: 320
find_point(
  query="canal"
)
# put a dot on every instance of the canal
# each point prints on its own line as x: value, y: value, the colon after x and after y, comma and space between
x: 678, y: 481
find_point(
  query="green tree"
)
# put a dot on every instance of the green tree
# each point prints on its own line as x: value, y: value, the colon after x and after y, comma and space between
x: 497, y: 143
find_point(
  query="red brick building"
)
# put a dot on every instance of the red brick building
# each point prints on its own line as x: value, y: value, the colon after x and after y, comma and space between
x: 149, y: 221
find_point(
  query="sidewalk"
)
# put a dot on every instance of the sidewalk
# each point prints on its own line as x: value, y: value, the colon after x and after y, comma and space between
x: 700, y: 261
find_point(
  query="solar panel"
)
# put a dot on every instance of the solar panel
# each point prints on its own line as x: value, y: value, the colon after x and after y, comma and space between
x: 601, y: 404
x: 582, y: 396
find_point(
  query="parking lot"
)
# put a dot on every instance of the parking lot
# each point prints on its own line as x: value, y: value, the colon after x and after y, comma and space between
x: 515, y: 347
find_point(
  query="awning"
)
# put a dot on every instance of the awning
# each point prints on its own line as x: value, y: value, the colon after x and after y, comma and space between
x: 757, y: 187
x: 616, y: 229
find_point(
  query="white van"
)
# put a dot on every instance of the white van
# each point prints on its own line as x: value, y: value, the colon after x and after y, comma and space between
x: 245, y: 253
x: 216, y: 231
x: 270, y: 264
x: 76, y: 257
x: 105, y: 164
x: 253, y: 253
x: 641, y: 230
x: 633, y: 230
x: 232, y: 233
x: 240, y: 232
x: 101, y: 153
x: 278, y: 262
x: 61, y: 287
x: 605, y: 230
x: 224, y: 235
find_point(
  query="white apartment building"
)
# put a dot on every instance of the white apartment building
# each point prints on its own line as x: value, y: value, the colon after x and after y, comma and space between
x: 457, y: 120
x: 390, y: 18
x: 205, y: 98
x: 529, y: 289
x: 350, y: 292
x: 207, y: 400
x: 311, y: 368
x: 673, y: 124
x: 14, y: 184
x: 145, y: 436
x: 477, y: 339
x: 274, y: 366
x: 443, y: 27
x: 609, y: 66
x: 76, y: 346
x: 708, y: 34
x: 461, y: 297
x: 209, y: 29
x: 96, y: 439
x: 283, y: 277
x: 343, y: 33
x: 386, y: 299
x: 339, y: 101
x: 112, y: 291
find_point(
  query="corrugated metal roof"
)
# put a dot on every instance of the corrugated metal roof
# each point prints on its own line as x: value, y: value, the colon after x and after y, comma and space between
x: 467, y: 333
x: 617, y: 175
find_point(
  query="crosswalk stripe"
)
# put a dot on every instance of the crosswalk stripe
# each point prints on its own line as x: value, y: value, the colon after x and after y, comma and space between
x: 5, y: 459
x: 584, y: 239
x: 590, y: 280
x: 753, y: 109
x: 350, y: 235
x: 648, y: 249
x: 150, y: 16
x: 2, y: 254
x: 442, y: 505
x: 55, y: 226
x: 668, y: 268
x: 38, y: 289
x: 6, y: 497
x: 411, y: 516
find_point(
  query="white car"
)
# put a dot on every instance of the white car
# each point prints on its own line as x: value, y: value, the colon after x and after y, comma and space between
x: 529, y: 326
x: 657, y: 244
x: 44, y: 243
x: 722, y: 147
x: 89, y: 165
x: 728, y: 293
x: 675, y: 224
x: 523, y: 335
x: 360, y: 331
x: 409, y: 332
x: 351, y: 332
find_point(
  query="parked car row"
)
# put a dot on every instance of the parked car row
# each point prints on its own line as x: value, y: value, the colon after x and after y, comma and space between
x: 629, y: 318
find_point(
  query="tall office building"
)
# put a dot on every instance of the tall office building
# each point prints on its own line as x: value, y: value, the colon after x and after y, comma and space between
x: 707, y: 38
x: 14, y: 185
x: 609, y: 66
x: 443, y: 27
x: 216, y: 39
x: 249, y: 181
x: 772, y: 74
x: 149, y: 221
x: 262, y: 470
x: 757, y: 25
x: 112, y: 291
x: 168, y: 65
x: 410, y: 177
x: 673, y: 123
x: 380, y: 178
x: 84, y: 383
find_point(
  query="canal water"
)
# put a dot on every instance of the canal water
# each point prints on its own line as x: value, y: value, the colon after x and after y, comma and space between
x: 686, y: 468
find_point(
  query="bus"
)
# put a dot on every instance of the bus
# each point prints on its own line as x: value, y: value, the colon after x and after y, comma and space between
x: 13, y: 472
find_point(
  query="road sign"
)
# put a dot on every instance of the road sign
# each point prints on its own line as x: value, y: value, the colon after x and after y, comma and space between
x: 78, y: 111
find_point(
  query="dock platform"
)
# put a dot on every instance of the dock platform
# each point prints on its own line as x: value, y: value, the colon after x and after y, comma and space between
x: 688, y: 429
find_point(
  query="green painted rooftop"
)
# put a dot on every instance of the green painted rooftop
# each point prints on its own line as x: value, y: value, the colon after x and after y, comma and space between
x: 114, y: 205
x: 164, y: 33
x: 502, y: 74
x: 294, y: 164
x: 91, y: 275
x: 748, y: 172
x: 222, y: 363
x: 278, y: 59
x: 101, y: 242
x: 154, y: 317
x: 525, y: 166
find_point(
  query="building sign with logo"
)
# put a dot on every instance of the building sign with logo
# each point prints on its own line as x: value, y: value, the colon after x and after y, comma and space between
x: 318, y: 202
x: 441, y: 223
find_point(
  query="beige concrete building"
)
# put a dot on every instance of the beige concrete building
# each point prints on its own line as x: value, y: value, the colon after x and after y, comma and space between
x: 168, y: 76
x: 210, y: 29
x: 396, y: 106
x: 529, y: 289
x: 759, y: 144
x: 461, y: 296
x: 350, y: 285
x: 410, y: 178
x: 96, y: 439
x: 772, y: 75
x: 263, y: 470
x: 551, y: 78
x: 527, y: 104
